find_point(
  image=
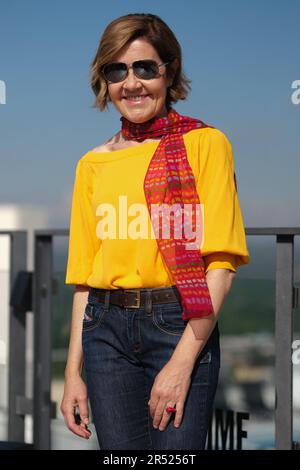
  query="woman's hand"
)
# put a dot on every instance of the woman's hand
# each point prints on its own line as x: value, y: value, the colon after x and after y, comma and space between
x: 75, y: 394
x: 170, y: 387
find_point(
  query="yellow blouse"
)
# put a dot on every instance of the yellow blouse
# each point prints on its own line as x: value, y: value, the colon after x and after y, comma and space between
x: 113, y: 181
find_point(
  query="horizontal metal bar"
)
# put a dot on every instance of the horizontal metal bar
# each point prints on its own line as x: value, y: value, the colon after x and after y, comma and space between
x: 272, y: 230
x: 52, y: 232
x: 248, y: 230
x: 12, y: 232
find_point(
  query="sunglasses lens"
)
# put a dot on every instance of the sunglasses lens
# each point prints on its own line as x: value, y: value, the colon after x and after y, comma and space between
x: 145, y: 69
x: 115, y: 72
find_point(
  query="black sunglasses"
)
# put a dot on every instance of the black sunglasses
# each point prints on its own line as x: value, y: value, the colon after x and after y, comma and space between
x: 145, y: 69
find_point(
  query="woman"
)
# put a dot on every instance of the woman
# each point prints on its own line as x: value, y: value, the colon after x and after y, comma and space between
x: 145, y: 308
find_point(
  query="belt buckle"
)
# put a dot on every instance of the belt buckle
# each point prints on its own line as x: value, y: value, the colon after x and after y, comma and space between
x: 138, y: 299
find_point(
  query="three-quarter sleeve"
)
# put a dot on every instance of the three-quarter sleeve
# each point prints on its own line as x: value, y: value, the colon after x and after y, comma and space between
x: 224, y: 244
x: 83, y: 241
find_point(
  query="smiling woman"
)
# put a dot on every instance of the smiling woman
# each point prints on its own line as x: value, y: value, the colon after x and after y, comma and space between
x: 144, y: 320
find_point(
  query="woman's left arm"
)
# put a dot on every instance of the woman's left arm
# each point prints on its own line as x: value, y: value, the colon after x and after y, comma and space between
x: 198, y: 330
x: 173, y: 381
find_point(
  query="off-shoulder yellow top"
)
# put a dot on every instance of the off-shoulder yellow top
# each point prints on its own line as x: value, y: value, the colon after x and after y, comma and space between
x: 108, y: 188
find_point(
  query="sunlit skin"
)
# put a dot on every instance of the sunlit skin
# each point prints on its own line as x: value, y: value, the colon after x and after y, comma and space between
x: 156, y: 88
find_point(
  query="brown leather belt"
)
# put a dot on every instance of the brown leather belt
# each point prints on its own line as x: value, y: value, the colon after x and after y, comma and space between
x: 136, y: 298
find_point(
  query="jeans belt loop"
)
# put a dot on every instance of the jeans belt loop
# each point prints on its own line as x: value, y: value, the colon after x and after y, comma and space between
x: 106, y: 300
x: 148, y: 301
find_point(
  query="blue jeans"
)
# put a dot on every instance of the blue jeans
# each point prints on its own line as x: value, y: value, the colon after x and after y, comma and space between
x: 123, y: 351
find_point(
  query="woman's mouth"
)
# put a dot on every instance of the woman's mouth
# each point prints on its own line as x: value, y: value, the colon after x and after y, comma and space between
x: 136, y: 99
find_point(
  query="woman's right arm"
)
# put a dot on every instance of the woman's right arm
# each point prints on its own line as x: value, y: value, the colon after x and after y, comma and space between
x: 75, y: 391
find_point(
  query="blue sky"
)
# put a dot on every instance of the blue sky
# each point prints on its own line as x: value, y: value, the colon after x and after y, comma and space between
x: 242, y: 57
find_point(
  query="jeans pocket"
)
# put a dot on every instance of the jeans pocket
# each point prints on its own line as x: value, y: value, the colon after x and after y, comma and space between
x: 93, y: 316
x: 168, y: 318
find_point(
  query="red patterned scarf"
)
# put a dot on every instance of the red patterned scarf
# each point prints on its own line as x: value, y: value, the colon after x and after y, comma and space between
x: 169, y: 180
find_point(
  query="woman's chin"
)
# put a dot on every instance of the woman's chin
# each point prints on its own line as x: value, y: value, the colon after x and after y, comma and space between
x: 138, y: 116
x: 139, y: 113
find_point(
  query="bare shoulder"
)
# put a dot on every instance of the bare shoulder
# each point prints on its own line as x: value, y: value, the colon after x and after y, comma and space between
x: 117, y: 142
x: 109, y: 145
x: 100, y: 148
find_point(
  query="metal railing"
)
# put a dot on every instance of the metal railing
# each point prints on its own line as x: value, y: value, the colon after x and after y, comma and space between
x: 17, y: 338
x: 286, y: 301
x: 42, y: 291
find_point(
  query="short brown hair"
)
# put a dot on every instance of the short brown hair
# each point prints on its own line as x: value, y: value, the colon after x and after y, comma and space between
x: 126, y: 29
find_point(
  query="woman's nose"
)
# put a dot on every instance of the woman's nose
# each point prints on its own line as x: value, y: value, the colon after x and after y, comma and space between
x: 131, y: 81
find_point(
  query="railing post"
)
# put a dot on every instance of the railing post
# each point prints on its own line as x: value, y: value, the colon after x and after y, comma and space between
x: 42, y: 296
x: 17, y: 340
x: 283, y: 342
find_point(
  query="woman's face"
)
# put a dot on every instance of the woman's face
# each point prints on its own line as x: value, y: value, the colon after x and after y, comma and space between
x: 152, y: 105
